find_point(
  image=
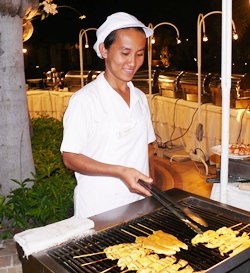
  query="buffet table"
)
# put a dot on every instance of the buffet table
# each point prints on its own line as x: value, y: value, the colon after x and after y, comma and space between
x: 173, y: 119
x: 47, y: 103
x: 177, y: 119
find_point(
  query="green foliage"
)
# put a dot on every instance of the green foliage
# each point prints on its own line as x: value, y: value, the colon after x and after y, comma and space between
x: 50, y: 198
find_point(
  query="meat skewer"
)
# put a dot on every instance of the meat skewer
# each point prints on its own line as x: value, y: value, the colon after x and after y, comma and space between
x: 161, y: 242
x: 142, y: 256
x: 227, y: 240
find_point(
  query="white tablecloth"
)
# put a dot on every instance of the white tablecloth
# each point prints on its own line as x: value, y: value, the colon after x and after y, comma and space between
x: 47, y: 103
x: 235, y: 196
x: 173, y: 118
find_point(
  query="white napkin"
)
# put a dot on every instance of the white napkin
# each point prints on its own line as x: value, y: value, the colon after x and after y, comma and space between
x: 38, y: 239
x: 244, y: 186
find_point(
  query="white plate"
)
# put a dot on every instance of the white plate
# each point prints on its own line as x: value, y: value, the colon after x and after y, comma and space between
x: 217, y: 150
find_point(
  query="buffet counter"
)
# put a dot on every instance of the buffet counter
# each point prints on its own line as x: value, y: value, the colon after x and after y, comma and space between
x: 173, y: 119
x: 47, y: 103
x: 177, y: 119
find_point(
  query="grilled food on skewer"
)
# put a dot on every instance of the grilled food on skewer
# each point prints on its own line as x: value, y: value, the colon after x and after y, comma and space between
x: 162, y: 243
x: 138, y: 263
x: 125, y: 249
x: 225, y: 239
x: 133, y: 256
x: 240, y: 248
x: 234, y: 243
x: 143, y: 255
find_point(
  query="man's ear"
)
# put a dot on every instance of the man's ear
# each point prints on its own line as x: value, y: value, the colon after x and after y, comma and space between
x: 103, y: 50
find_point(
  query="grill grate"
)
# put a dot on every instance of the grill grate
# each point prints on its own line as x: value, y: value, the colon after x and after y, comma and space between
x: 199, y: 257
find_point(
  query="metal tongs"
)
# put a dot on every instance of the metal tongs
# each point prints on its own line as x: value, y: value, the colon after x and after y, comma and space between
x: 169, y: 203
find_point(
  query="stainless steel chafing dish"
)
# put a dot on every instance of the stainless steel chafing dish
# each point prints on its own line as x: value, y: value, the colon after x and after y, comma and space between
x: 169, y: 83
x: 189, y: 86
x: 141, y: 81
x: 73, y: 78
x: 239, y: 94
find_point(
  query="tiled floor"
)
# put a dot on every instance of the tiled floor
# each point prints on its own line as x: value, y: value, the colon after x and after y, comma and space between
x: 9, y: 261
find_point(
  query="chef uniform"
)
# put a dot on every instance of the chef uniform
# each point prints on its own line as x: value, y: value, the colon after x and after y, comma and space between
x: 99, y: 124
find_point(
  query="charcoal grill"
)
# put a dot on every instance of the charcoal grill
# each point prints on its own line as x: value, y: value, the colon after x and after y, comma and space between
x: 134, y: 218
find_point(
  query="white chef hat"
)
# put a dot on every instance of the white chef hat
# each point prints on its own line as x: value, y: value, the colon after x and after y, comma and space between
x: 116, y: 21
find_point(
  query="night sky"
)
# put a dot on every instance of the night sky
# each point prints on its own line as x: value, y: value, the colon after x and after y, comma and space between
x: 61, y: 32
x: 65, y: 26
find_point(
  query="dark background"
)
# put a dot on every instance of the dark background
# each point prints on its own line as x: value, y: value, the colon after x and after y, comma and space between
x: 55, y: 41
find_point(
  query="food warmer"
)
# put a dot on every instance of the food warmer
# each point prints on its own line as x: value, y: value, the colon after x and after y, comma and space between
x: 189, y: 87
x: 133, y: 218
x: 239, y: 93
x: 140, y: 80
x: 169, y: 83
x: 73, y: 78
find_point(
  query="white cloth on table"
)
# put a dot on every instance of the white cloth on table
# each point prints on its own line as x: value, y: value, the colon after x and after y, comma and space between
x: 38, y: 239
x: 236, y: 197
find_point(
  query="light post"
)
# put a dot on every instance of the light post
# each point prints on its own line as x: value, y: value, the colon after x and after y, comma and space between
x: 81, y: 33
x: 201, y: 23
x: 225, y: 86
x: 150, y: 42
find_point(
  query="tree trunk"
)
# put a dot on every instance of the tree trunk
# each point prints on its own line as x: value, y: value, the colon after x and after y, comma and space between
x: 16, y: 160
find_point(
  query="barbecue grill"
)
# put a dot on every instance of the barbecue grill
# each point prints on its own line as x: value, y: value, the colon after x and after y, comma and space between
x: 124, y: 224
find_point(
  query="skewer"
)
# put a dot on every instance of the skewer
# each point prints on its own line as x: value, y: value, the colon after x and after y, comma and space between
x: 129, y: 233
x: 146, y: 227
x: 88, y: 254
x: 236, y: 225
x: 106, y: 270
x: 94, y: 262
x: 139, y: 230
x: 244, y: 227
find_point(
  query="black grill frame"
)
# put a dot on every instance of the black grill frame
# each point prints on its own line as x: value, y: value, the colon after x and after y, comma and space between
x: 108, y: 231
x: 199, y: 257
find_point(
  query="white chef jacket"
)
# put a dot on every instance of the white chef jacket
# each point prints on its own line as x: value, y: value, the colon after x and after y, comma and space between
x: 99, y: 124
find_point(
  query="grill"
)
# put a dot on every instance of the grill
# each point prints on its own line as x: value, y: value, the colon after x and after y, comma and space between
x: 136, y: 218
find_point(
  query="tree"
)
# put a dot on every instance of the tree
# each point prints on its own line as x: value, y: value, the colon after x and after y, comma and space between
x: 15, y: 143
